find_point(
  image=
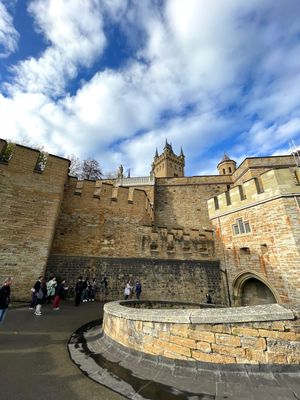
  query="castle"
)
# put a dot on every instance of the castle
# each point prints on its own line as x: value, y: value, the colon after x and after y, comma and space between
x: 235, y: 235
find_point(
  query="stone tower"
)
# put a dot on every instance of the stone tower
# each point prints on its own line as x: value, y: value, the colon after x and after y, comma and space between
x: 226, y: 166
x: 168, y: 164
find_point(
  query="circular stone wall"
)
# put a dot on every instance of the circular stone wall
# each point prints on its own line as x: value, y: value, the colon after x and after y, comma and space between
x: 265, y: 334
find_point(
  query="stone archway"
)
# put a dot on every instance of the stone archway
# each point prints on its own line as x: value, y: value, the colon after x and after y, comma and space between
x: 250, y: 289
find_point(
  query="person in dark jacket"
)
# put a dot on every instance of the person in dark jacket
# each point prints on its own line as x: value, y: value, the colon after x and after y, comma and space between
x: 4, y: 298
x: 35, y: 290
x: 138, y: 289
x: 208, y: 298
x: 40, y: 297
x: 78, y: 291
x: 60, y: 293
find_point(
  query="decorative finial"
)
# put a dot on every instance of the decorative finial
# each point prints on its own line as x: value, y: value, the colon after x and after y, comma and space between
x: 156, y: 153
x: 181, y: 152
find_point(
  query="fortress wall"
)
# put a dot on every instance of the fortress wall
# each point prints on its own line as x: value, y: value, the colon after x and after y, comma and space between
x: 253, y: 167
x: 271, y: 248
x: 270, y: 184
x: 30, y: 202
x: 161, y: 279
x: 182, y: 202
x: 98, y: 219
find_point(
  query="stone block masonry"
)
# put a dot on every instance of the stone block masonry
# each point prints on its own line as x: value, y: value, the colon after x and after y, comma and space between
x: 250, y: 335
x: 268, y: 251
x: 161, y: 279
x: 30, y: 201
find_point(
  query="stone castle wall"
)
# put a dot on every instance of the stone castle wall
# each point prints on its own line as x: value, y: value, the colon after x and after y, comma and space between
x: 161, y: 279
x: 255, y: 166
x: 98, y: 219
x: 182, y: 202
x: 270, y: 250
x: 30, y: 202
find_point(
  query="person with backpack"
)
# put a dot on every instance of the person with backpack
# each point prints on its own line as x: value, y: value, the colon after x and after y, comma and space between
x: 4, y: 298
x: 40, y: 297
x: 78, y: 291
x: 51, y: 287
x: 60, y: 293
x: 34, y: 291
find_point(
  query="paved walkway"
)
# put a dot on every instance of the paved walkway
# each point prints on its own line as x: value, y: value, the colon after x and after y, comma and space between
x: 144, y: 377
x: 34, y: 359
x: 35, y: 363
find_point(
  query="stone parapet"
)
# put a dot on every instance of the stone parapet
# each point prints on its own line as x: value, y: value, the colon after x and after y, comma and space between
x: 267, y: 334
x: 269, y: 185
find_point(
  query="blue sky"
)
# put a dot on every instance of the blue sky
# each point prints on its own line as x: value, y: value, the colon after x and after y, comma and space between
x: 112, y: 79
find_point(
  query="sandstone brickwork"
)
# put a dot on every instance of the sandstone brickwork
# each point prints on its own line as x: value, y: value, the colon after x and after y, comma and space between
x: 30, y: 202
x: 269, y: 252
x: 253, y: 342
x: 46, y: 215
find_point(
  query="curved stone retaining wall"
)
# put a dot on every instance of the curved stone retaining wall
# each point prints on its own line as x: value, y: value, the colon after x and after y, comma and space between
x: 266, y: 334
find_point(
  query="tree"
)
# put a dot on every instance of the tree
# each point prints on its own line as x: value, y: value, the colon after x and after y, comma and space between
x: 75, y: 165
x: 91, y: 169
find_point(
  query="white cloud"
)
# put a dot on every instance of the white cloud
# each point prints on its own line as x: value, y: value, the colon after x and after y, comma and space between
x: 73, y: 30
x: 205, y: 74
x: 9, y: 37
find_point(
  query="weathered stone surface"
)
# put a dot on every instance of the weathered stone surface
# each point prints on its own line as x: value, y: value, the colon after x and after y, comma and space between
x: 202, y: 336
x: 204, y: 346
x: 228, y: 350
x: 228, y: 340
x: 189, y: 341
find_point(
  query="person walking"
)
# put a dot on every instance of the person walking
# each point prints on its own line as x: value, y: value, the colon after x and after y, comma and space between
x: 138, y: 289
x: 84, y: 290
x: 34, y: 291
x: 51, y: 287
x: 61, y: 290
x: 93, y: 289
x: 40, y: 298
x: 127, y: 290
x: 78, y: 290
x: 208, y: 298
x: 104, y: 288
x: 4, y: 298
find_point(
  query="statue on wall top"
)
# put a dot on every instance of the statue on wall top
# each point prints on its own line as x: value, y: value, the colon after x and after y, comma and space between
x: 120, y: 172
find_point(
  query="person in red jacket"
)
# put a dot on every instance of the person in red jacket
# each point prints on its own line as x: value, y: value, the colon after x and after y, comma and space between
x: 61, y: 290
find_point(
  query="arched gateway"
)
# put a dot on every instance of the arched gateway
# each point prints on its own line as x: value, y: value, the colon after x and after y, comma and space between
x: 250, y: 289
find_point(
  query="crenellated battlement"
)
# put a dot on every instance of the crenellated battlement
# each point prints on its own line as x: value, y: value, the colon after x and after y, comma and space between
x: 271, y: 184
x: 17, y: 159
x: 108, y: 194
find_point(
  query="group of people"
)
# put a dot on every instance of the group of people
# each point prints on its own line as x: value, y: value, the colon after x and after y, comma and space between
x: 85, y: 290
x: 51, y: 292
x: 129, y: 289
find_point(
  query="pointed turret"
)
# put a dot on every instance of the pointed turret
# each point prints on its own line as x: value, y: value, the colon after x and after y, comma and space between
x: 181, y: 152
x: 226, y: 166
x: 156, y: 153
